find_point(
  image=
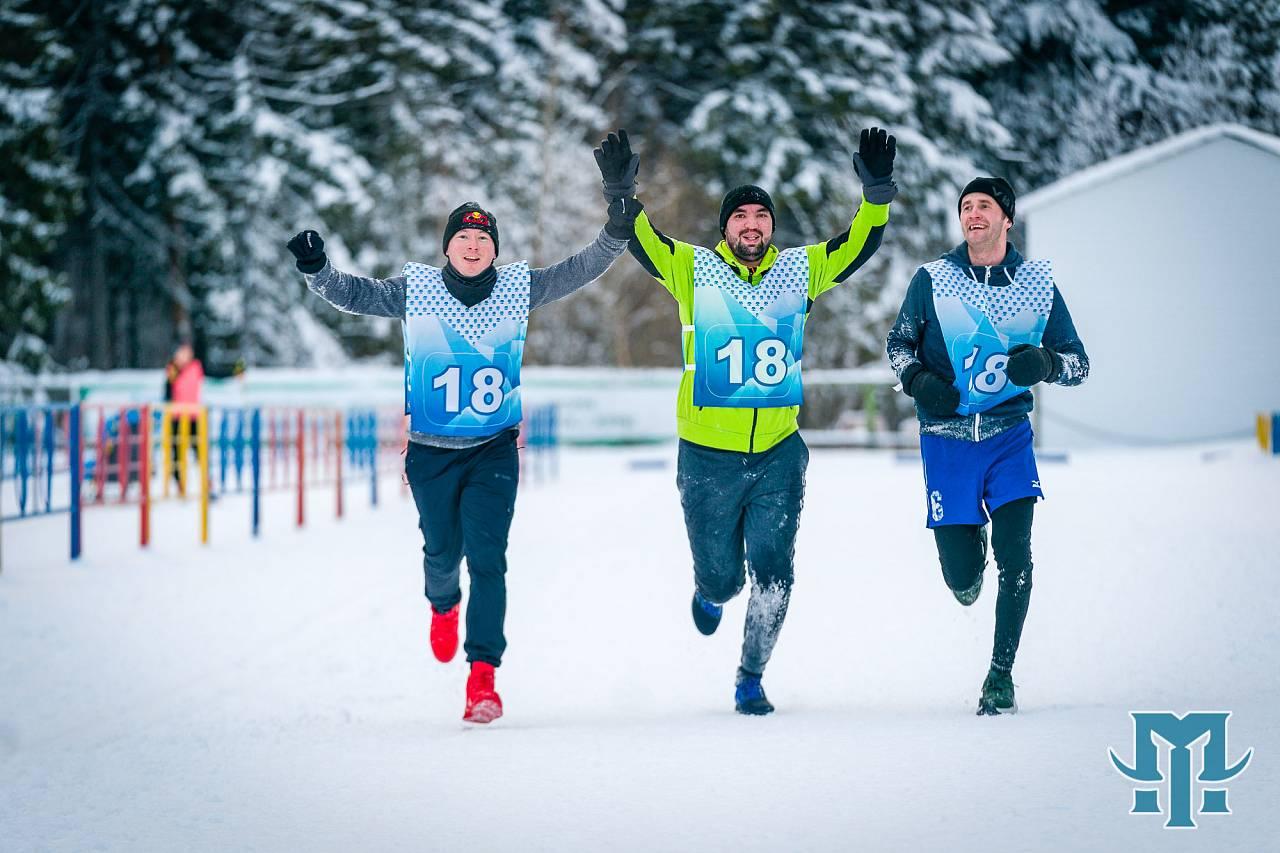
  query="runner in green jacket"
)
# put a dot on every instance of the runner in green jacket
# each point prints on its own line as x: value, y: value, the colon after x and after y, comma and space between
x: 742, y: 462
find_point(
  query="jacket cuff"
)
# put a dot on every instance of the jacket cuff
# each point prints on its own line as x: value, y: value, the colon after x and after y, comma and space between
x: 1055, y: 366
x: 882, y: 191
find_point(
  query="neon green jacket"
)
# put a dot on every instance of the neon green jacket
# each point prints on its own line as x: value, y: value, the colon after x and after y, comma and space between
x: 671, y: 263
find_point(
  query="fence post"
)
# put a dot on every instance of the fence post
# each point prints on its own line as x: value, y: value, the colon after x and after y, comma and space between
x: 50, y: 442
x: 302, y: 462
x: 122, y: 453
x: 184, y: 450
x: 166, y: 447
x: 255, y: 465
x: 373, y: 453
x: 337, y: 450
x: 144, y: 476
x: 75, y: 451
x: 20, y: 464
x: 238, y: 458
x: 100, y: 459
x: 202, y: 459
x: 223, y: 439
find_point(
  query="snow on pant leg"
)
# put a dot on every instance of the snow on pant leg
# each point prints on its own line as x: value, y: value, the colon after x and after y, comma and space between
x: 1011, y: 543
x: 488, y: 505
x: 713, y: 485
x: 961, y: 553
x: 435, y: 479
x: 772, y: 521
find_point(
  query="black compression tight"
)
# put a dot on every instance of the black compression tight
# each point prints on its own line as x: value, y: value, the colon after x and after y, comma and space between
x: 962, y: 552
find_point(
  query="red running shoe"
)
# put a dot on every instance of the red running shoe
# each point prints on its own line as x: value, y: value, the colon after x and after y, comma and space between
x: 444, y: 633
x: 484, y: 705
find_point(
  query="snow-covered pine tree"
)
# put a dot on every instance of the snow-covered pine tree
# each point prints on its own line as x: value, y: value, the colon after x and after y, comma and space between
x: 1063, y: 93
x: 563, y: 55
x: 281, y: 162
x: 115, y: 250
x: 37, y: 185
x: 1207, y: 61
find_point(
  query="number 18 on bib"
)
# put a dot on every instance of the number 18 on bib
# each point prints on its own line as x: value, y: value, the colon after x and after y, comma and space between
x: 748, y: 338
x: 462, y: 374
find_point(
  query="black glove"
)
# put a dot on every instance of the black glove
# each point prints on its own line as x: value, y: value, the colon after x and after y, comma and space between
x: 874, y: 165
x: 935, y: 395
x: 618, y: 166
x: 308, y: 248
x: 622, y: 218
x: 1029, y: 365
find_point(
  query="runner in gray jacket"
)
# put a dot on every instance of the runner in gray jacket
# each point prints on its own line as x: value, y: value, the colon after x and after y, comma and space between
x: 464, y: 329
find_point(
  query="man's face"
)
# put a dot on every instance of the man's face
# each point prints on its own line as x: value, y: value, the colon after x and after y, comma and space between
x: 748, y: 232
x: 470, y: 251
x: 984, y: 223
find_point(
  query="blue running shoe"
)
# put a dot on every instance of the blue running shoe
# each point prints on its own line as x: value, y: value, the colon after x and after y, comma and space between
x: 749, y: 696
x: 706, y: 616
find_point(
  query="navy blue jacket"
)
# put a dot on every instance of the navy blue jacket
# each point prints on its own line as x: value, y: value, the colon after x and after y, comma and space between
x: 916, y: 339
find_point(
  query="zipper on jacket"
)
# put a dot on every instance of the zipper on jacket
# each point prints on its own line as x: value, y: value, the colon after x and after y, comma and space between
x: 977, y: 419
x: 751, y: 445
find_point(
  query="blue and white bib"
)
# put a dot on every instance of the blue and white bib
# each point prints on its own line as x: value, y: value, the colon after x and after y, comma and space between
x: 981, y: 322
x: 748, y: 338
x: 462, y: 365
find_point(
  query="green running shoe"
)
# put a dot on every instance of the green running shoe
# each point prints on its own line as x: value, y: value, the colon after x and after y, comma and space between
x: 970, y: 595
x: 997, y: 695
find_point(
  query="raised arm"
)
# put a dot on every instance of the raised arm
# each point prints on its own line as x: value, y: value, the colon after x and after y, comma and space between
x: 618, y: 167
x: 376, y: 297
x: 578, y: 270
x: 667, y: 260
x: 832, y: 262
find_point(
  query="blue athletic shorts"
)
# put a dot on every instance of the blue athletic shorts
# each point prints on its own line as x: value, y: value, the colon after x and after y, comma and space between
x: 960, y: 477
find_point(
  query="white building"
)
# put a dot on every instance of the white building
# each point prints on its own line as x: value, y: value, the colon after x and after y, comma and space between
x: 1169, y: 259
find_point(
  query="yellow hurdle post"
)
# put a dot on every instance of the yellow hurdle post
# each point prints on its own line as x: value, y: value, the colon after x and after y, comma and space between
x: 202, y: 452
x: 184, y: 448
x: 1264, y: 433
x: 166, y: 446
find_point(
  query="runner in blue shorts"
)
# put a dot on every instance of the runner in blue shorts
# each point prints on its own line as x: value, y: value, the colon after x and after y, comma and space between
x: 978, y: 328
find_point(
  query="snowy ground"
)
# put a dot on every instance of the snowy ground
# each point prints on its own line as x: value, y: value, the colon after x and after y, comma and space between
x: 279, y: 695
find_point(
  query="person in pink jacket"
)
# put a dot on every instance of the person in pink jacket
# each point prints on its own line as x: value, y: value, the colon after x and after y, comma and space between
x: 183, y: 382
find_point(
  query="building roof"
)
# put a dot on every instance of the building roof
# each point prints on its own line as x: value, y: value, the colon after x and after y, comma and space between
x: 1142, y: 158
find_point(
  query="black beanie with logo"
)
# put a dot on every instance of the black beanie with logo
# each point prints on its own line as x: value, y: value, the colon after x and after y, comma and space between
x: 470, y: 215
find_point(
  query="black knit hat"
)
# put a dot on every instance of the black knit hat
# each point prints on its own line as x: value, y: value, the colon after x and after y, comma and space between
x: 997, y: 188
x: 470, y: 215
x: 738, y: 196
